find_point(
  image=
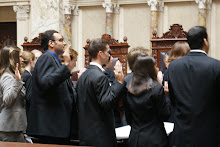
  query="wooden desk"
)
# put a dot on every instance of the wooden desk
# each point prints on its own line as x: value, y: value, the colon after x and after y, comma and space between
x: 16, y: 144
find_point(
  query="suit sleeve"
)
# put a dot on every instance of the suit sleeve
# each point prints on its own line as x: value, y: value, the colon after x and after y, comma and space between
x: 10, y: 89
x: 162, y: 105
x: 49, y: 75
x: 128, y: 115
x: 105, y: 93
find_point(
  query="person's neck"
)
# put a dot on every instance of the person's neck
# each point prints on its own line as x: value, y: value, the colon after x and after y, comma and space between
x: 97, y: 61
x: 28, y: 68
x: 52, y: 50
x: 205, y: 50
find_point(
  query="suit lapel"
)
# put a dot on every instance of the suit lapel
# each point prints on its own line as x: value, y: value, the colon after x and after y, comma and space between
x: 56, y: 61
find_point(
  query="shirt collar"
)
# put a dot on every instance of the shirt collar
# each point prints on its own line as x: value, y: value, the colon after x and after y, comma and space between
x: 28, y: 71
x: 198, y: 50
x: 55, y: 55
x: 96, y: 64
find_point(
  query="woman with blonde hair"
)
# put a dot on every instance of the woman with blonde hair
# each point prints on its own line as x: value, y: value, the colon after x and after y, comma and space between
x: 28, y: 64
x: 179, y: 49
x: 13, y: 120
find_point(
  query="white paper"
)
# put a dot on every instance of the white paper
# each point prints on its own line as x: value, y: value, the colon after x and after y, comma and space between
x: 124, y: 132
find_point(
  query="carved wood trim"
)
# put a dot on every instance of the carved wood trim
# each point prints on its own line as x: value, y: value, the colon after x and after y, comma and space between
x: 175, y: 31
x: 34, y: 44
x: 165, y: 43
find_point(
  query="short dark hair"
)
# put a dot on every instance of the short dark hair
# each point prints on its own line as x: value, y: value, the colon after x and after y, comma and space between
x: 134, y: 53
x: 45, y: 37
x: 95, y: 46
x: 195, y: 37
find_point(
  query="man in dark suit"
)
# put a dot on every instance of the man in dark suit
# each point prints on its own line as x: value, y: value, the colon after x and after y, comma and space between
x: 52, y: 94
x: 194, y: 83
x: 96, y: 99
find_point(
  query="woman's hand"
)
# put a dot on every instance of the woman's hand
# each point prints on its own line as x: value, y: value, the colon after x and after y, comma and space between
x: 17, y: 73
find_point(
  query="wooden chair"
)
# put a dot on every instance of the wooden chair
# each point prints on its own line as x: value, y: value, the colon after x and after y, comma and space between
x: 163, y: 44
x: 118, y: 50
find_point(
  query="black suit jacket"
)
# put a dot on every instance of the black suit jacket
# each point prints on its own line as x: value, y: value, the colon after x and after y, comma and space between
x: 27, y: 79
x: 95, y: 103
x: 194, y: 84
x: 146, y: 113
x: 52, y: 99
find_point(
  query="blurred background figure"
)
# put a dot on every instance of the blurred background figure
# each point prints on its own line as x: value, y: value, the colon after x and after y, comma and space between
x: 165, y: 61
x: 146, y: 106
x: 37, y: 54
x: 13, y: 121
x: 28, y: 64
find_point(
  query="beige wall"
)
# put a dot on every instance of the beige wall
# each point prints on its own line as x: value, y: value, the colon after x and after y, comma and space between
x: 217, y: 30
x: 137, y: 25
x: 184, y: 13
x: 7, y: 14
x: 93, y: 25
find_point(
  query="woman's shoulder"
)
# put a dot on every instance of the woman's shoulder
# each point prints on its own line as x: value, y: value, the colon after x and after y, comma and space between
x: 156, y: 88
x: 6, y: 74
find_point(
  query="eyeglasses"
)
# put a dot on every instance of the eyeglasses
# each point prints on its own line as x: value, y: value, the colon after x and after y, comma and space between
x: 60, y: 40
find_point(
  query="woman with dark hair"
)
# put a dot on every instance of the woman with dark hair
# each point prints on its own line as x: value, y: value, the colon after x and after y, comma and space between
x: 145, y: 106
x: 13, y: 120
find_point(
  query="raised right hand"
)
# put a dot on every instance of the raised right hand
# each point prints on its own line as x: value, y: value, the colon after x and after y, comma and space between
x: 17, y: 73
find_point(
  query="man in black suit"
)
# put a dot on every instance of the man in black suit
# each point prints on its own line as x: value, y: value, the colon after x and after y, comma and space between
x: 52, y: 95
x: 194, y: 84
x: 96, y: 99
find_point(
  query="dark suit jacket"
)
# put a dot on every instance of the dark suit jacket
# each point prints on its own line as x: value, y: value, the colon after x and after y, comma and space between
x: 116, y: 110
x: 27, y: 79
x: 194, y: 84
x: 95, y: 102
x: 146, y: 113
x: 52, y: 99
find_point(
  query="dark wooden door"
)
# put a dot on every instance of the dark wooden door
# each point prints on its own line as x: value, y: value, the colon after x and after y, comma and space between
x: 8, y: 33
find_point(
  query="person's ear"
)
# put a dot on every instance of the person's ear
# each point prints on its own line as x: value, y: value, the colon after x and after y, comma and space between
x: 100, y: 53
x: 50, y: 43
x: 205, y: 42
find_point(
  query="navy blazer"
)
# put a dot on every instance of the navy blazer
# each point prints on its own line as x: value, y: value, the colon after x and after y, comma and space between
x: 194, y: 84
x: 52, y: 99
